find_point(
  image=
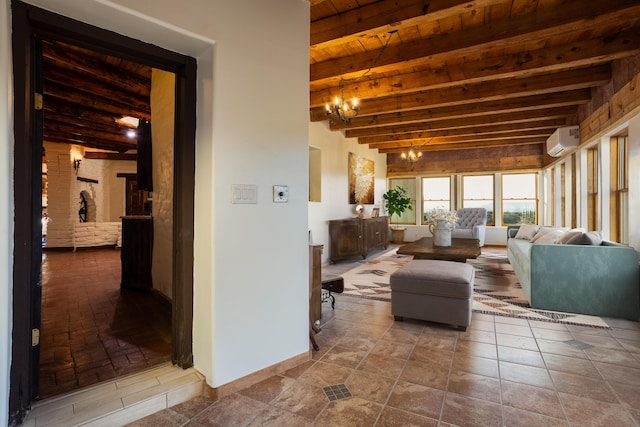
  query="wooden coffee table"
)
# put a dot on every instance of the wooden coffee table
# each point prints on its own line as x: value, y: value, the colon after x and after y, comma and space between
x: 460, y: 250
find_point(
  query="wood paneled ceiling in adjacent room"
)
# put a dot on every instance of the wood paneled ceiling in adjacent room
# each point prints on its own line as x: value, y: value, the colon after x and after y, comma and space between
x: 464, y: 75
x: 85, y: 92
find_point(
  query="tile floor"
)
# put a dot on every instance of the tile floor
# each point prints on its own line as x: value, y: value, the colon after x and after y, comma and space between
x: 500, y: 372
x: 93, y: 331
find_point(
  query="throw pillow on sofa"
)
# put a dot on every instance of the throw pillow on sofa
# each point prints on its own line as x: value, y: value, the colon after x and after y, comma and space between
x: 569, y: 235
x: 548, y: 235
x: 593, y: 238
x: 527, y: 231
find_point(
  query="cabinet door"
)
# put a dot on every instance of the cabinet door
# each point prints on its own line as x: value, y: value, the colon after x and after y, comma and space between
x: 346, y: 238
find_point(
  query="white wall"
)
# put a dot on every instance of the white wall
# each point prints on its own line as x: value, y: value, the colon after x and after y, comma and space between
x: 252, y: 113
x: 6, y: 200
x: 335, y: 149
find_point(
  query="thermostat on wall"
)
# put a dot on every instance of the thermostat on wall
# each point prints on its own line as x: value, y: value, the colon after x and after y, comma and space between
x: 280, y: 193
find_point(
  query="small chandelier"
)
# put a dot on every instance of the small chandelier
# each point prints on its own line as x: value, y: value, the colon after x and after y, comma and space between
x: 411, y: 156
x: 341, y: 109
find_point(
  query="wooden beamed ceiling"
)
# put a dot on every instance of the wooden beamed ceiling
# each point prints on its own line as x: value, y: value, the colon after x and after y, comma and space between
x: 458, y: 75
x: 86, y: 91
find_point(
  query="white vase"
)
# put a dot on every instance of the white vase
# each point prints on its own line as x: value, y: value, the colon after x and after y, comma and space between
x: 441, y: 233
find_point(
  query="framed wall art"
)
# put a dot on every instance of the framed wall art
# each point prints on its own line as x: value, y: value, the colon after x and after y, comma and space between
x: 361, y: 180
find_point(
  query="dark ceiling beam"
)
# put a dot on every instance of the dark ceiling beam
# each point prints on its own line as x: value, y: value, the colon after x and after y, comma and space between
x: 387, y: 15
x: 524, y: 116
x: 577, y: 54
x: 87, y: 142
x: 575, y: 16
x: 492, y: 90
x: 101, y: 155
x: 468, y: 145
x: 408, y: 138
x: 533, y: 102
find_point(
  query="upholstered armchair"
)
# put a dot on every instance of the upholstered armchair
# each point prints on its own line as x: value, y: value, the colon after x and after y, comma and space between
x: 471, y: 224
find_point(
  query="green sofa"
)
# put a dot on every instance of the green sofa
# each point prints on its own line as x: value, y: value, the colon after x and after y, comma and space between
x: 596, y: 280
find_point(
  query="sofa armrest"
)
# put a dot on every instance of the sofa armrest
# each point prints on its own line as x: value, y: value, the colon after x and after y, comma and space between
x: 594, y: 280
x: 512, y: 230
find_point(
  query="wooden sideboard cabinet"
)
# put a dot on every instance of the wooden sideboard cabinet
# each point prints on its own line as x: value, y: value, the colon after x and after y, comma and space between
x: 357, y: 236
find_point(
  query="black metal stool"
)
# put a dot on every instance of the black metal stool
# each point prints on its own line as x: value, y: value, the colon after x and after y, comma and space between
x: 331, y: 283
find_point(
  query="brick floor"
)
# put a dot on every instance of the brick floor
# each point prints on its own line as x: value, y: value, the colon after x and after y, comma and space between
x: 92, y: 330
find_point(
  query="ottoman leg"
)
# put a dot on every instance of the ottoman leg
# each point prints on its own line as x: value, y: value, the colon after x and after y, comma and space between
x: 398, y: 318
x: 462, y: 328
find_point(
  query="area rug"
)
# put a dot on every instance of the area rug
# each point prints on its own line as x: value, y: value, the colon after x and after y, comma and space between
x: 496, y: 291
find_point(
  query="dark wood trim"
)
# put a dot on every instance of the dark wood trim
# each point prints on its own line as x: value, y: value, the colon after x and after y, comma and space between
x: 30, y: 23
x: 110, y: 156
x: 93, y: 181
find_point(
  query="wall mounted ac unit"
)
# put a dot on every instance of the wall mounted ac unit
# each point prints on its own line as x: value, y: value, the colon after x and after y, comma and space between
x: 563, y: 139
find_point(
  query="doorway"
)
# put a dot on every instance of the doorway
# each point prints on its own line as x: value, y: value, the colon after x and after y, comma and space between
x: 30, y: 24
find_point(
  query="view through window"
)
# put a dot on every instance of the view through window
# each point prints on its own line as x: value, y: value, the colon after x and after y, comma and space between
x: 436, y: 194
x: 519, y: 202
x: 477, y: 192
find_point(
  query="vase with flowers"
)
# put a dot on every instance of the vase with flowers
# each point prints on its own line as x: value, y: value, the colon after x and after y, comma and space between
x: 440, y: 222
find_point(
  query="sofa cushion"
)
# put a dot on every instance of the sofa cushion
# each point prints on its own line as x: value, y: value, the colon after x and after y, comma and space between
x: 593, y: 238
x: 548, y: 235
x: 569, y: 235
x: 527, y: 231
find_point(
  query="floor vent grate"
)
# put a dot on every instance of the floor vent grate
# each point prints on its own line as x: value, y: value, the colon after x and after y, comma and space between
x: 337, y: 392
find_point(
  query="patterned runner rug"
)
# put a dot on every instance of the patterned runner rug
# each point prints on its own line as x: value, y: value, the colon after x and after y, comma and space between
x: 496, y: 291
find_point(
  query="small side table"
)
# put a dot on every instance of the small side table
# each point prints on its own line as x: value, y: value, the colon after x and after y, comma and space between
x: 331, y: 283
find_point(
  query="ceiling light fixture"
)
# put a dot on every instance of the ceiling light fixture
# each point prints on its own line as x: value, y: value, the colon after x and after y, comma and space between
x: 411, y: 156
x: 343, y: 110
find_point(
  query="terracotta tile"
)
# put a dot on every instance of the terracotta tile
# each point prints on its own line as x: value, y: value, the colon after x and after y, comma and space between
x: 519, y: 330
x: 589, y: 412
x: 426, y: 374
x: 525, y: 343
x: 392, y: 417
x: 324, y: 374
x: 302, y: 399
x: 620, y: 374
x: 518, y: 418
x: 478, y: 349
x: 560, y: 348
x: 417, y: 399
x: 234, y: 410
x: 387, y: 367
x: 352, y: 412
x: 537, y: 324
x: 462, y: 410
x: 165, y: 418
x: 478, y: 336
x: 401, y: 336
x: 438, y: 342
x: 343, y: 356
x: 483, y: 325
x: 374, y: 388
x: 630, y: 345
x: 598, y: 341
x: 267, y: 390
x: 538, y: 400
x: 518, y: 355
x: 192, y: 407
x: 393, y: 349
x: 570, y: 365
x: 276, y: 417
x: 615, y: 357
x: 472, y: 385
x: 551, y: 334
x: 583, y: 386
x: 628, y: 395
x: 525, y: 374
x: 434, y: 356
x: 298, y: 370
x: 475, y: 365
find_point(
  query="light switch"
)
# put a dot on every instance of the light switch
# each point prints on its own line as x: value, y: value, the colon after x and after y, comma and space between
x: 244, y: 193
x: 280, y: 193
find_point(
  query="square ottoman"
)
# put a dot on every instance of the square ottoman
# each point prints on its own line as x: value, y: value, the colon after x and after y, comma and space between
x: 433, y: 290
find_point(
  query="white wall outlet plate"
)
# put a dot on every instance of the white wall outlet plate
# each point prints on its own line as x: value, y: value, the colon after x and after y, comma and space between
x: 280, y: 193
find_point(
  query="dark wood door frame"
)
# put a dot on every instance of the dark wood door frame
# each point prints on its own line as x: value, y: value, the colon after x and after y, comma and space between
x: 29, y: 24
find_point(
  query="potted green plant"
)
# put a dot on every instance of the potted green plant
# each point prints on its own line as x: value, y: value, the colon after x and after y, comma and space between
x: 396, y: 202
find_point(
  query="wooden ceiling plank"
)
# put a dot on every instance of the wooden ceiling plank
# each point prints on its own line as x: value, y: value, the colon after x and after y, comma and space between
x: 471, y: 109
x: 467, y: 145
x: 387, y: 15
x: 492, y: 90
x: 575, y: 55
x: 559, y: 112
x: 537, y: 135
x: 407, y: 138
x: 509, y: 32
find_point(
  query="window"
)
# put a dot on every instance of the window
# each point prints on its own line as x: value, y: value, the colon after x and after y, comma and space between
x: 436, y: 193
x: 409, y: 184
x: 477, y: 192
x: 592, y: 188
x: 619, y: 190
x: 519, y: 201
x: 563, y: 196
